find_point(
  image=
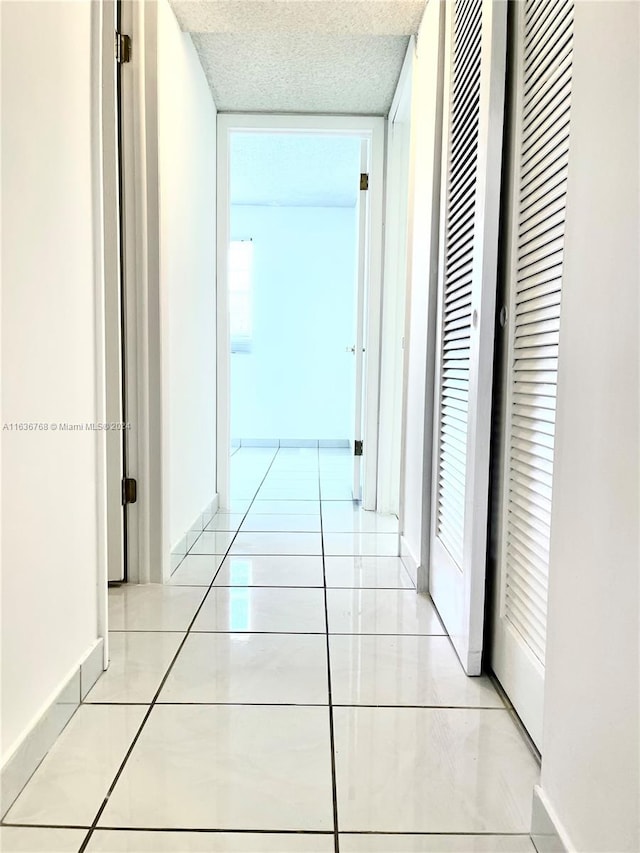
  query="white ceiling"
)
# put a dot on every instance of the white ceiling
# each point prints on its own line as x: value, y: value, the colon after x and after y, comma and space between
x: 294, y: 170
x: 301, y: 56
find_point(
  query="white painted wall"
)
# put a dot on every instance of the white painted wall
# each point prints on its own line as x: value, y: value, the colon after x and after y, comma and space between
x: 590, y: 751
x: 298, y: 381
x: 49, y: 479
x: 421, y: 307
x: 187, y: 189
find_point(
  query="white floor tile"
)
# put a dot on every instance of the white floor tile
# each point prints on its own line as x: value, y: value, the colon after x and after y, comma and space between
x: 227, y: 767
x: 19, y: 839
x: 153, y: 607
x: 270, y: 570
x: 381, y: 611
x: 139, y: 841
x: 262, y: 507
x: 345, y: 517
x: 432, y: 770
x: 386, y: 670
x: 277, y: 543
x: 248, y: 609
x: 336, y: 491
x: 382, y: 572
x: 281, y: 523
x: 137, y: 664
x: 238, y: 505
x: 225, y: 521
x: 69, y: 786
x: 361, y: 544
x: 216, y: 542
x: 293, y: 492
x: 277, y: 669
x: 196, y: 570
x: 436, y: 844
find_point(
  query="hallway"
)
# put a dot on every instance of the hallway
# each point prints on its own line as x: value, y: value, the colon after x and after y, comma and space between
x: 286, y: 685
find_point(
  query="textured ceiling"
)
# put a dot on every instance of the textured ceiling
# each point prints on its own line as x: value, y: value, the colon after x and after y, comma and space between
x: 301, y: 56
x: 298, y: 170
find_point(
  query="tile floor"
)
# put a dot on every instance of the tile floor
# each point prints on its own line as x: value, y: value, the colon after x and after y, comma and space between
x: 287, y: 691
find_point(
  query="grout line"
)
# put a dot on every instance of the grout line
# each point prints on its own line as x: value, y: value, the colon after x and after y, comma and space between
x: 330, y: 692
x: 236, y: 831
x: 355, y: 705
x: 136, y: 737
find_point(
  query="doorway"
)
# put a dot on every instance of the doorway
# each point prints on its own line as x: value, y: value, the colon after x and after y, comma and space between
x: 299, y: 284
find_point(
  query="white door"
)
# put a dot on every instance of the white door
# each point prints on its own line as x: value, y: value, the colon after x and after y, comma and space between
x: 115, y: 310
x: 539, y: 149
x: 362, y: 222
x: 472, y: 148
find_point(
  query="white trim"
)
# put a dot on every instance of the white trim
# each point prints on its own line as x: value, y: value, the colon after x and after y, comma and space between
x: 417, y: 106
x: 148, y: 551
x: 109, y: 517
x: 43, y: 731
x: 409, y: 560
x: 547, y: 832
x: 367, y: 127
x: 180, y: 550
x: 395, y: 289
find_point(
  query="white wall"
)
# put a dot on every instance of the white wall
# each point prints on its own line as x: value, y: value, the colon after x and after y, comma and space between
x: 49, y: 479
x: 419, y: 345
x: 590, y: 751
x: 187, y: 187
x: 298, y: 380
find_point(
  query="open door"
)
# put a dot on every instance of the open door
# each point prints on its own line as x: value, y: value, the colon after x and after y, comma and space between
x: 118, y: 488
x: 472, y: 145
x: 362, y: 215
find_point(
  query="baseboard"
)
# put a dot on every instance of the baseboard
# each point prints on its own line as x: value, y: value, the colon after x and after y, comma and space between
x: 410, y: 562
x: 547, y: 833
x: 181, y: 548
x: 291, y: 442
x: 26, y: 758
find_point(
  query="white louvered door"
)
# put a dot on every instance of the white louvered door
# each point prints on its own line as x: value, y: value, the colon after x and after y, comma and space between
x: 472, y: 150
x: 543, y: 38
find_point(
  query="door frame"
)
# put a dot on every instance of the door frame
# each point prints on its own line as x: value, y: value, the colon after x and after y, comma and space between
x: 395, y: 292
x: 365, y: 127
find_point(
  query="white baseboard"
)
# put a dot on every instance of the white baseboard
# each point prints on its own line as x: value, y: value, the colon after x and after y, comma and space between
x: 291, y: 442
x: 410, y: 562
x: 181, y: 548
x: 25, y: 759
x: 547, y: 833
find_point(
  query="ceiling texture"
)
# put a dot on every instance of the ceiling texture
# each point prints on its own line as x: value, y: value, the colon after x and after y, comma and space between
x: 301, y: 56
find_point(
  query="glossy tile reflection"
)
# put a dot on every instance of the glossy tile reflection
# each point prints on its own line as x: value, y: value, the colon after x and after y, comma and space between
x: 432, y: 770
x: 221, y: 766
x: 291, y: 613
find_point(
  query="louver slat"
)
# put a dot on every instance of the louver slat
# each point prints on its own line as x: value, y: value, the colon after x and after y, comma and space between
x: 541, y: 189
x: 458, y: 267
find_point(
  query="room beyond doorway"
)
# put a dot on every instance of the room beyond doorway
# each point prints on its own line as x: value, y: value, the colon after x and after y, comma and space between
x: 299, y: 278
x: 292, y: 287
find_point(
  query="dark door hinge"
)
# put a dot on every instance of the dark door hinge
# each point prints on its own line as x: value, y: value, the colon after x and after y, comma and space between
x: 364, y: 183
x: 123, y: 48
x: 129, y: 490
x: 357, y: 450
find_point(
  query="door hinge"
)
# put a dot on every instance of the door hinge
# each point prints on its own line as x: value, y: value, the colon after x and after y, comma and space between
x: 364, y: 182
x: 123, y: 48
x: 129, y: 490
x: 358, y: 447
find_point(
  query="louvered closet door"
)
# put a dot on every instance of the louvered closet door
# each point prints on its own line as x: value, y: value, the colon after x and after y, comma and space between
x: 540, y: 146
x: 472, y: 146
